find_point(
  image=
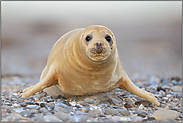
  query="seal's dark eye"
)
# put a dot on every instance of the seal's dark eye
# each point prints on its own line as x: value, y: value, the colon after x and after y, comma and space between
x: 88, y: 37
x: 108, y: 38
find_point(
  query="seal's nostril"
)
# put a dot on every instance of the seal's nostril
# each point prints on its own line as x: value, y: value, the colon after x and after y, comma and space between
x: 98, y: 44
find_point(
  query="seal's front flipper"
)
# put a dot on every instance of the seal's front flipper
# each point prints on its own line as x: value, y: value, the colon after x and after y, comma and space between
x: 128, y: 85
x: 47, y: 81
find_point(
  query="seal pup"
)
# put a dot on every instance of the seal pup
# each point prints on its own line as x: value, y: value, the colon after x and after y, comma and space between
x: 85, y: 61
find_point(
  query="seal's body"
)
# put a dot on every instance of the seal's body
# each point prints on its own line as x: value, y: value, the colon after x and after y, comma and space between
x: 85, y: 61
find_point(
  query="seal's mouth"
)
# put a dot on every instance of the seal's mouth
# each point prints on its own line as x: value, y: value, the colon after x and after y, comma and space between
x: 98, y: 54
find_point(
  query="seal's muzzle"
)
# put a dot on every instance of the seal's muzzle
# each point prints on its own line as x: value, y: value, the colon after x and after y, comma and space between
x: 99, y: 48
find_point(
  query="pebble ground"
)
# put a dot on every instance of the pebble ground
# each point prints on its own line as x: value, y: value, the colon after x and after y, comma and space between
x: 115, y: 106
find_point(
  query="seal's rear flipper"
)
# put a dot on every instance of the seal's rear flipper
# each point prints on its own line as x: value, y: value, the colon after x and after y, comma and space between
x: 128, y: 85
x: 47, y: 81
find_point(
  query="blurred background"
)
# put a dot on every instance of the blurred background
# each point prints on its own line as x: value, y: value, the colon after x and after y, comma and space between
x: 148, y: 33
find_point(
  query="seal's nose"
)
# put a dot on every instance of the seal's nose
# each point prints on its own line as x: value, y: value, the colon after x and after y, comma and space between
x: 99, y: 47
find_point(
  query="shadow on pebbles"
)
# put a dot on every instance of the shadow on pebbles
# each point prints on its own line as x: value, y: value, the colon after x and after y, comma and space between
x: 115, y: 106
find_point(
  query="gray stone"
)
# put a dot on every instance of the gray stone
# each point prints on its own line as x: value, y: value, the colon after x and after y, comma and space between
x: 141, y: 107
x: 176, y: 100
x: 144, y: 102
x: 20, y: 100
x: 8, y: 104
x: 89, y: 100
x: 19, y: 110
x: 38, y: 96
x: 179, y: 82
x: 84, y: 104
x: 51, y: 118
x: 162, y: 114
x: 66, y: 102
x: 23, y: 104
x: 26, y: 113
x: 49, y: 109
x: 61, y: 105
x: 34, y: 111
x: 80, y: 118
x: 43, y: 110
x: 174, y: 82
x: 162, y: 105
x: 111, y: 111
x: 49, y: 100
x: 124, y: 112
x: 165, y: 98
x: 141, y: 113
x: 176, y: 88
x: 136, y: 119
x: 51, y: 104
x: 33, y: 107
x: 119, y: 118
x: 38, y: 119
x: 95, y: 111
x: 42, y: 104
x: 63, y: 116
x: 59, y: 108
x: 29, y: 102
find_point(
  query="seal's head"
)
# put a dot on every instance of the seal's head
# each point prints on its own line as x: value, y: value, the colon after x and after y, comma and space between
x: 98, y: 42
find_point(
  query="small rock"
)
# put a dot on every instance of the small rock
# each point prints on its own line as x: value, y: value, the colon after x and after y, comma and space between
x: 176, y: 88
x: 66, y: 102
x: 141, y: 113
x: 110, y: 111
x: 124, y: 112
x: 33, y: 107
x: 8, y: 104
x: 43, y: 110
x: 87, y: 110
x: 49, y: 109
x: 51, y: 118
x: 162, y: 105
x: 124, y: 119
x: 63, y: 116
x: 166, y: 87
x: 89, y: 100
x: 179, y: 82
x: 160, y: 88
x: 19, y: 110
x: 84, y: 104
x: 141, y: 107
x: 144, y: 102
x: 29, y: 102
x: 165, y: 98
x: 174, y: 82
x: 165, y: 114
x: 35, y: 111
x: 51, y: 104
x: 127, y: 105
x: 23, y: 104
x: 49, y: 100
x: 20, y: 100
x: 80, y: 118
x: 176, y: 100
x: 59, y: 108
x: 95, y: 111
x: 42, y: 104
x: 38, y: 119
x: 61, y: 105
x: 136, y: 119
x: 26, y: 113
x: 165, y: 81
x: 38, y: 96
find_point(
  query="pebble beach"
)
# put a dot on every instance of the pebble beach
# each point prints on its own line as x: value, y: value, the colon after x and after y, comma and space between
x: 115, y: 106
